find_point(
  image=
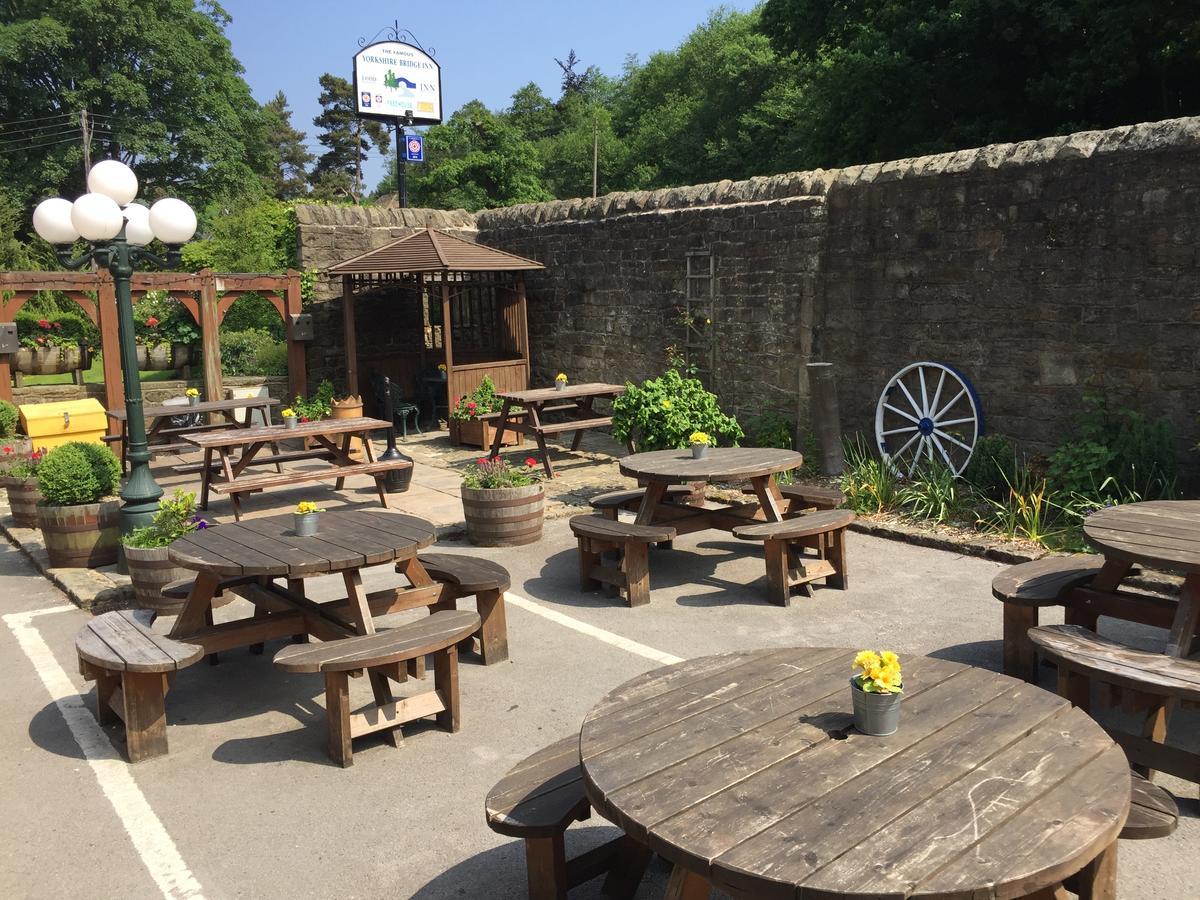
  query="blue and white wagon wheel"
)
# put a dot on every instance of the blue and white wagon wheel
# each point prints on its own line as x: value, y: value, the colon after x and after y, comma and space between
x: 929, y: 412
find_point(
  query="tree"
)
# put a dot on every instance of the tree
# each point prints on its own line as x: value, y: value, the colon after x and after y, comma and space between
x: 289, y: 157
x: 158, y: 78
x: 338, y: 172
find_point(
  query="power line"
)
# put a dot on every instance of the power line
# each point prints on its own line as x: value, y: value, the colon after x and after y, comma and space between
x: 34, y: 128
x: 11, y: 150
x: 42, y: 119
x: 65, y: 130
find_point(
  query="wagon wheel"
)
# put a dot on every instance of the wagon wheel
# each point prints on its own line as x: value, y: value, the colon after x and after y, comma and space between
x: 928, y: 411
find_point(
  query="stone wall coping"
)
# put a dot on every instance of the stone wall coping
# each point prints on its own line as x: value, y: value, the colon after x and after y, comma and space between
x: 1166, y: 135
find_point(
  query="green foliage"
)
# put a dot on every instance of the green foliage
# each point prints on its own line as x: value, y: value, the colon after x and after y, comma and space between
x: 662, y: 412
x: 498, y: 473
x: 936, y: 494
x: 175, y: 518
x: 869, y: 483
x: 318, y: 406
x: 1116, y: 446
x: 258, y: 236
x: 769, y: 430
x: 288, y: 176
x: 1029, y: 511
x: 59, y: 329
x: 10, y: 416
x: 479, y: 402
x: 993, y: 466
x: 158, y: 318
x: 78, y: 472
x: 252, y: 352
x: 159, y: 77
x: 346, y: 139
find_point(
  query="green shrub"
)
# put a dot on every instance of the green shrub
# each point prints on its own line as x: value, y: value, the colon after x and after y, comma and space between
x: 769, y: 430
x: 9, y: 417
x: 175, y: 518
x: 60, y: 329
x: 78, y: 472
x: 869, y: 483
x: 318, y: 406
x: 254, y: 312
x: 252, y: 352
x: 993, y: 466
x: 1116, y: 448
x: 661, y: 413
x: 479, y: 402
x: 936, y: 494
x: 1027, y: 511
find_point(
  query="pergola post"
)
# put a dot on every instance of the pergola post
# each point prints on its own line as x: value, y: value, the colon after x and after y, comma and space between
x: 446, y: 340
x: 297, y: 372
x: 106, y: 312
x: 210, y: 335
x: 348, y: 335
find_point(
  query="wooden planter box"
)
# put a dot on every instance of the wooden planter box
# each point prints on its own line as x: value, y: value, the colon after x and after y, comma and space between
x: 481, y: 432
x: 504, y: 517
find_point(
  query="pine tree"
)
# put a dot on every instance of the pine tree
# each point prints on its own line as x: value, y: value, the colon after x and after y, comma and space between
x: 289, y: 174
x: 338, y: 172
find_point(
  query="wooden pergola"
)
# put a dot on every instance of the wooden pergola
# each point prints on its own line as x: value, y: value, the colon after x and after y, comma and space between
x: 460, y: 303
x: 206, y: 295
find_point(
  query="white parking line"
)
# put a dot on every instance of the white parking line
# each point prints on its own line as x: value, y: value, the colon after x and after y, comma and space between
x: 616, y: 640
x: 150, y: 839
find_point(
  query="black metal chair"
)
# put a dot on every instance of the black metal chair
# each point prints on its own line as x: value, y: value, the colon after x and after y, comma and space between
x: 401, y: 408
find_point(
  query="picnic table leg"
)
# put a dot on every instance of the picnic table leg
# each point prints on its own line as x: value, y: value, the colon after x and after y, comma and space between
x: 541, y: 438
x: 687, y: 885
x: 341, y: 482
x: 205, y: 476
x: 1098, y: 879
x: 585, y: 412
x: 296, y: 586
x: 769, y: 497
x: 655, y: 492
x: 197, y: 607
x: 1020, y: 658
x: 498, y: 439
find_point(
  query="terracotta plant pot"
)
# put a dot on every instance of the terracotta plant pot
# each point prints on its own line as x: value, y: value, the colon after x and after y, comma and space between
x: 151, y: 570
x: 504, y: 517
x: 81, y: 537
x: 23, y: 499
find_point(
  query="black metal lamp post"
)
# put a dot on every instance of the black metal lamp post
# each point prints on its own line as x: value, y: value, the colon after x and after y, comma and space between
x: 118, y: 230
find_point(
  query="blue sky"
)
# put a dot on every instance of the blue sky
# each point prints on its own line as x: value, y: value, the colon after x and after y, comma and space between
x: 486, y: 50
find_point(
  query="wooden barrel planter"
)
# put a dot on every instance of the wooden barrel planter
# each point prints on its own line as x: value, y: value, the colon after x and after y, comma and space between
x: 81, y: 537
x: 349, y: 408
x: 504, y: 517
x: 151, y: 570
x: 23, y: 499
x: 48, y: 361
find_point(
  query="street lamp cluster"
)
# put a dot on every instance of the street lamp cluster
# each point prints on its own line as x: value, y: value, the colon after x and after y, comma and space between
x: 118, y: 230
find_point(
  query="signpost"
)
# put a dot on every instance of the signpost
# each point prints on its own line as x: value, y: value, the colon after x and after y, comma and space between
x: 398, y: 81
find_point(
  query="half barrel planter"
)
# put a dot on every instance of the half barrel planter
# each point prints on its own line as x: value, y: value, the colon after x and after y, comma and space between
x: 151, y: 570
x: 23, y: 499
x: 504, y: 517
x: 81, y: 537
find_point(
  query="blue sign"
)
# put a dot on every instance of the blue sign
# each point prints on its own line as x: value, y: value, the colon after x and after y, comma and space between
x: 415, y: 148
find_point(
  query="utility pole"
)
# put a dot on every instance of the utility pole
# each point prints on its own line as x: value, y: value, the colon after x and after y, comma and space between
x: 595, y: 156
x: 401, y: 165
x: 357, y: 159
x: 85, y: 131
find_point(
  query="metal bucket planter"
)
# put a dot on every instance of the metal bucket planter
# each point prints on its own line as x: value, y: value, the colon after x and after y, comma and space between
x: 306, y: 524
x: 23, y: 500
x: 151, y: 570
x: 504, y: 517
x: 81, y: 537
x: 699, y: 451
x: 875, y: 714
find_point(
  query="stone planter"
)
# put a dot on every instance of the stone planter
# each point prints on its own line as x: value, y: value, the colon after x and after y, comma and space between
x: 150, y: 570
x: 81, y: 537
x: 48, y: 361
x: 875, y: 714
x: 349, y: 408
x: 504, y: 517
x: 23, y: 499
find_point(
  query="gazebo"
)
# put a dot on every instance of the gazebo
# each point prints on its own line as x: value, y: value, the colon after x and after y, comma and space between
x: 436, y: 299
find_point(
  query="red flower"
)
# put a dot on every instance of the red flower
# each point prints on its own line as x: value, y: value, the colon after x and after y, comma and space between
x: 471, y: 405
x: 481, y: 461
x: 43, y: 323
x: 8, y: 449
x: 152, y: 322
x: 530, y: 461
x: 304, y: 418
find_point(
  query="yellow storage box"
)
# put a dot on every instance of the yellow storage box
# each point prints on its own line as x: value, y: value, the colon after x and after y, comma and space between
x: 51, y: 424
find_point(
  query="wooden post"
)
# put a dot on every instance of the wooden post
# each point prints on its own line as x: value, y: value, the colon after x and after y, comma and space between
x: 348, y: 336
x: 110, y: 354
x: 210, y: 329
x: 523, y: 322
x: 297, y: 371
x: 451, y: 387
x: 825, y: 415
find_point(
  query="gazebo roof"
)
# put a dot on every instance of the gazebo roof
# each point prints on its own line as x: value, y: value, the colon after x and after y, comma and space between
x: 433, y: 251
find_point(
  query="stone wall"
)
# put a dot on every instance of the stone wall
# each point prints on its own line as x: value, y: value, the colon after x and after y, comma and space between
x: 1041, y: 269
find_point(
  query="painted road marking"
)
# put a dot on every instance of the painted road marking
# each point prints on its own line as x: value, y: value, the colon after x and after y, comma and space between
x: 616, y: 640
x: 150, y: 839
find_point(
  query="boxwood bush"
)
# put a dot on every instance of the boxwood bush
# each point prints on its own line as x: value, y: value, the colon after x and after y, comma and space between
x: 9, y: 417
x: 78, y: 472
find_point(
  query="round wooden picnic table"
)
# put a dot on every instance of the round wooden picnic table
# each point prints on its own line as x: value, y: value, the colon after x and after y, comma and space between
x: 745, y: 771
x: 721, y: 464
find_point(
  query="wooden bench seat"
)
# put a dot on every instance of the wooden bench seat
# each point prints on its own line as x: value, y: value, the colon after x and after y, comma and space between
x: 244, y: 483
x: 438, y: 634
x: 132, y: 667
x: 272, y: 459
x: 598, y: 535
x: 537, y: 801
x: 574, y: 424
x: 1153, y: 812
x: 784, y: 543
x: 801, y: 497
x: 1026, y: 587
x: 486, y: 581
x: 612, y: 502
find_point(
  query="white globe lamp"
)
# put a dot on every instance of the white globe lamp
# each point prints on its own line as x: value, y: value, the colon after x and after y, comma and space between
x: 137, y: 225
x: 172, y: 221
x: 52, y: 221
x: 96, y: 217
x: 113, y: 179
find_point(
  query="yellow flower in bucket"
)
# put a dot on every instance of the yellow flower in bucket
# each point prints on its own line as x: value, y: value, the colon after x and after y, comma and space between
x: 306, y: 507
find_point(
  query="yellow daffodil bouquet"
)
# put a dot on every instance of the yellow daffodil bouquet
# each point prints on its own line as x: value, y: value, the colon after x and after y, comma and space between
x: 880, y: 672
x: 561, y: 377
x: 305, y: 507
x: 702, y: 438
x: 288, y: 413
x: 192, y: 393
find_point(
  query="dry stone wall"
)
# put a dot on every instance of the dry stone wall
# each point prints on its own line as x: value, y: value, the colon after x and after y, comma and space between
x: 1042, y: 269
